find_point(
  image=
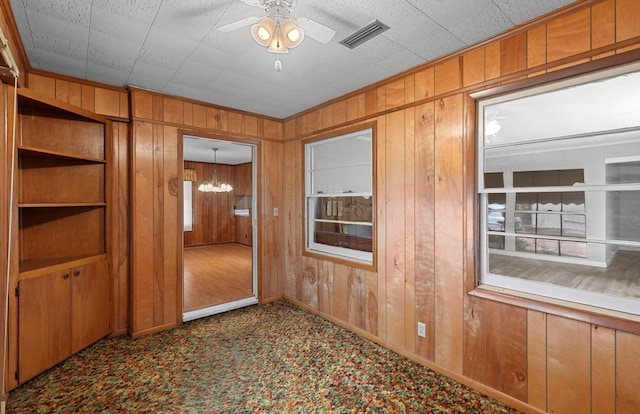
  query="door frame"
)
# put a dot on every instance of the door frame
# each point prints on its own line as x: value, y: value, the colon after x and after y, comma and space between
x: 223, y: 307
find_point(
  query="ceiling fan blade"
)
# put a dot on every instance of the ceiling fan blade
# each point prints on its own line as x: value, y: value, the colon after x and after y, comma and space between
x: 238, y: 24
x: 256, y: 3
x: 318, y: 31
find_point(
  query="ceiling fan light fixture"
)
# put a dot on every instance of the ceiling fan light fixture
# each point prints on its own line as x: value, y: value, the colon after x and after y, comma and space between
x: 263, y: 31
x: 293, y: 32
x: 278, y: 43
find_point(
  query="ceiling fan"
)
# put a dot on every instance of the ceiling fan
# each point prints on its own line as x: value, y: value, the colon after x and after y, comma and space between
x: 277, y: 30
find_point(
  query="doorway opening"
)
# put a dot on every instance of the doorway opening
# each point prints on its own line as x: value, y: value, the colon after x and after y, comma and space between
x: 219, y: 228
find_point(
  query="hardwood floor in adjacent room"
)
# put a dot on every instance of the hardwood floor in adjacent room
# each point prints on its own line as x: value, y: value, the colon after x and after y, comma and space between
x: 216, y: 274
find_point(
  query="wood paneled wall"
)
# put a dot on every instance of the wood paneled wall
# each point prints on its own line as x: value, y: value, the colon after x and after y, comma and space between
x: 425, y: 198
x: 213, y: 219
x: 156, y: 256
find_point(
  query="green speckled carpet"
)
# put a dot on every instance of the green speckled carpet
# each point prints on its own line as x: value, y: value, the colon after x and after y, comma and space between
x: 271, y: 358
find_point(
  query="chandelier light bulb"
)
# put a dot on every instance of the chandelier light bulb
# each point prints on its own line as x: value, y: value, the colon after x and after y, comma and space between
x: 278, y: 65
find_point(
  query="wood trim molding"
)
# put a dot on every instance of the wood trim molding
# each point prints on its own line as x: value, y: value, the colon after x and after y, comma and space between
x: 582, y: 313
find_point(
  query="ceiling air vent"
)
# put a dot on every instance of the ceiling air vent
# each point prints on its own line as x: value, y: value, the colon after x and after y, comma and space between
x: 362, y: 35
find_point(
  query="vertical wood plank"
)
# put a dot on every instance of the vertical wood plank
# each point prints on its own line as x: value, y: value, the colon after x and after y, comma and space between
x: 372, y: 303
x: 187, y: 114
x: 603, y: 370
x: 361, y: 98
x: 352, y: 108
x: 513, y: 54
x: 142, y: 227
x: 449, y: 240
x: 310, y: 282
x: 473, y: 67
x: 424, y: 222
x: 88, y: 97
x: 425, y: 83
x: 199, y: 116
x: 158, y: 286
x: 42, y: 84
x: 272, y: 188
x: 448, y: 75
x: 235, y: 122
x: 537, y: 359
x: 394, y: 94
x: 340, y: 291
x: 124, y: 105
x: 121, y: 201
x: 62, y: 90
x: 371, y: 102
x: 381, y: 228
x: 339, y: 112
x: 394, y: 221
x: 75, y: 94
x: 603, y: 24
x: 474, y: 339
x: 569, y: 35
x: 356, y: 305
x: 251, y: 125
x: 568, y: 366
x: 537, y: 46
x: 327, y: 116
x: 627, y: 373
x: 627, y: 21
x: 492, y: 316
x: 107, y: 102
x: 293, y: 214
x: 326, y: 291
x: 409, y: 227
x: 514, y: 351
x: 492, y: 61
x: 173, y: 111
x: 409, y: 89
x: 172, y: 231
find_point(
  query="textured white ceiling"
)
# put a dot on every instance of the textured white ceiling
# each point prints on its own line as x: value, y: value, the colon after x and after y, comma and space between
x: 173, y: 47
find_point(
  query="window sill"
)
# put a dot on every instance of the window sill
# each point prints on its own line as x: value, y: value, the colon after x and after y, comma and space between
x: 583, y: 313
x: 341, y: 260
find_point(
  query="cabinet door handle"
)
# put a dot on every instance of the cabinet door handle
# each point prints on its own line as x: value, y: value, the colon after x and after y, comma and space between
x: 76, y: 273
x: 66, y: 276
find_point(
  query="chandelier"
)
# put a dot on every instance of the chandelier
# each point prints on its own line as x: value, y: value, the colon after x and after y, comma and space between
x: 215, y: 186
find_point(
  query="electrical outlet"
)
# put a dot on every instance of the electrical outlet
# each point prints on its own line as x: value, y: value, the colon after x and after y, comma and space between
x: 422, y: 329
x: 275, y: 212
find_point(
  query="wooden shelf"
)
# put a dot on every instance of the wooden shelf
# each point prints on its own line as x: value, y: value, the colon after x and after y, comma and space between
x: 39, y: 267
x: 42, y: 153
x: 356, y: 223
x: 60, y: 205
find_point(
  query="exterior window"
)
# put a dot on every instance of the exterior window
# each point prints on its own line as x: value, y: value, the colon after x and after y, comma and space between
x: 339, y: 202
x: 559, y: 190
x: 188, y: 205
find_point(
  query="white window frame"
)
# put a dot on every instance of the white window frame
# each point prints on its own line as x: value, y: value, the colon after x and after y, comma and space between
x: 338, y: 190
x: 187, y: 208
x: 517, y: 286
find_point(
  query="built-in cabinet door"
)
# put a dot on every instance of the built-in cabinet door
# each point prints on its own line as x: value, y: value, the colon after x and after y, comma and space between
x: 43, y: 323
x: 242, y: 176
x: 61, y: 313
x: 243, y: 230
x: 90, y: 304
